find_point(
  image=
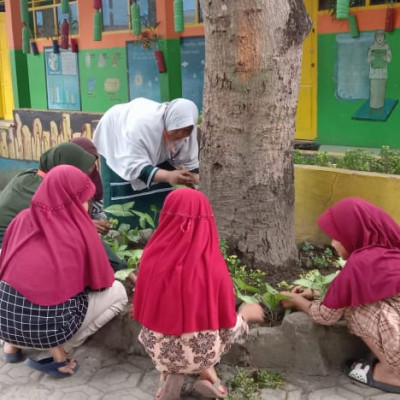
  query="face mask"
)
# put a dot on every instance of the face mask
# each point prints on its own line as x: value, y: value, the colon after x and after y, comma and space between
x: 175, y: 146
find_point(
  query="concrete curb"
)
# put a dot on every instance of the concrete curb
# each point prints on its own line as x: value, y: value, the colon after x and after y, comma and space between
x: 297, y: 346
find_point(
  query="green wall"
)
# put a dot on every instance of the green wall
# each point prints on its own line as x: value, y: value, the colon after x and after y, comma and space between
x: 103, y: 78
x: 37, y: 81
x: 335, y: 126
x: 170, y: 81
x: 20, y: 81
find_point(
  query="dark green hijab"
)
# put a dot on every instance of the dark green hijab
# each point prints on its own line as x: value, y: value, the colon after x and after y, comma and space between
x: 17, y: 195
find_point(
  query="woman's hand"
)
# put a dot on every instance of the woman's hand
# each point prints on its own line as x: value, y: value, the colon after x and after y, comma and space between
x: 252, y: 312
x: 176, y: 177
x: 102, y: 225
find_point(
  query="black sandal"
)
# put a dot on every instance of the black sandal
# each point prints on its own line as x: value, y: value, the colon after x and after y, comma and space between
x: 362, y: 372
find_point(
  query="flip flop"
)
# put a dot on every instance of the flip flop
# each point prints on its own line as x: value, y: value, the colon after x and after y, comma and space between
x: 171, y: 387
x: 362, y: 372
x: 13, y: 357
x: 210, y: 390
x: 49, y: 366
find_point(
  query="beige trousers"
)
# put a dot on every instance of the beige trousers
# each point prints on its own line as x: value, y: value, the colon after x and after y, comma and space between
x: 103, y: 307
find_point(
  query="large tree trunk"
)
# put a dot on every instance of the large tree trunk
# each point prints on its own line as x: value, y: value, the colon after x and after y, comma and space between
x: 252, y: 74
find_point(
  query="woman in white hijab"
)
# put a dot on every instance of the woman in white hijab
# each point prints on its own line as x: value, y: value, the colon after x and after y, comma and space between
x: 136, y: 137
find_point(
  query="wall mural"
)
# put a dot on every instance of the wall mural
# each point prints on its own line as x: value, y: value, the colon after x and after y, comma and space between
x: 379, y: 55
x: 34, y: 132
x: 362, y: 73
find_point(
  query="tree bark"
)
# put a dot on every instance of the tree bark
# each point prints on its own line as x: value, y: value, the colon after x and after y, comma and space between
x: 251, y: 83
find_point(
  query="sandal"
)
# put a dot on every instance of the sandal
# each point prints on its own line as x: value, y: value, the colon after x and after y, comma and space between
x: 170, y: 388
x: 362, y: 372
x: 210, y: 390
x: 49, y: 366
x: 13, y: 357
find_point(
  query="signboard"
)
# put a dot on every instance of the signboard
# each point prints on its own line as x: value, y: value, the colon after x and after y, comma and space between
x: 192, y: 68
x: 143, y: 74
x: 62, y: 80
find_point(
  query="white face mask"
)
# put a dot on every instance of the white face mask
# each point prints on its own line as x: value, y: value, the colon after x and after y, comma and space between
x: 175, y: 146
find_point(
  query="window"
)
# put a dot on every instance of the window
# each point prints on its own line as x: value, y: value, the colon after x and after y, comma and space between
x: 46, y: 18
x: 116, y: 14
x: 373, y: 2
x: 192, y: 12
x: 330, y: 4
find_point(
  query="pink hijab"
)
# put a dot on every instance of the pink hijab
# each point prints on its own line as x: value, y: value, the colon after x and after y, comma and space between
x: 372, y: 239
x: 183, y: 283
x: 51, y: 251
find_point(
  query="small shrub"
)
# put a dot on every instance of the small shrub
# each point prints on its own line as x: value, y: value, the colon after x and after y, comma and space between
x: 386, y: 162
x: 247, y: 384
x: 358, y: 160
x: 312, y: 257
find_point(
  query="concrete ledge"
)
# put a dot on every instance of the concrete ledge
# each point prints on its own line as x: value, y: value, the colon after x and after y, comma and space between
x: 297, y: 345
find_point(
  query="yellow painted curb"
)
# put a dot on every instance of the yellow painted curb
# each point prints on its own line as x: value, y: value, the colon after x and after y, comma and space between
x: 318, y: 188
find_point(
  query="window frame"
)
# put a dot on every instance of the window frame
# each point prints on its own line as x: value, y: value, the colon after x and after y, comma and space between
x: 196, y: 15
x: 367, y: 5
x: 38, y: 5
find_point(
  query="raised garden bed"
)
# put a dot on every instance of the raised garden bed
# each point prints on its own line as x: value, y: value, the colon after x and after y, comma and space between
x: 297, y: 345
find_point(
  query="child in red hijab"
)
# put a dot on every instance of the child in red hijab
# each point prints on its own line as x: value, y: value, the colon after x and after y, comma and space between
x: 367, y: 291
x: 184, y: 297
x: 52, y: 266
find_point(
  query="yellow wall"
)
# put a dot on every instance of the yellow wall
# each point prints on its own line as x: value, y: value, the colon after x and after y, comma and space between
x: 6, y: 94
x: 306, y: 121
x: 318, y: 188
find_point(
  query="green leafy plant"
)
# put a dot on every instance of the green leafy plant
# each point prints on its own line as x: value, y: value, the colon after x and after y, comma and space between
x: 247, y: 384
x: 250, y: 285
x: 315, y: 281
x: 358, y: 160
x: 387, y: 161
x: 124, y: 240
x: 312, y: 257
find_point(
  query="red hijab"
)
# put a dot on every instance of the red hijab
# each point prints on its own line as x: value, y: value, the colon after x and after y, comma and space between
x: 51, y: 251
x: 183, y: 283
x: 89, y: 146
x: 372, y: 239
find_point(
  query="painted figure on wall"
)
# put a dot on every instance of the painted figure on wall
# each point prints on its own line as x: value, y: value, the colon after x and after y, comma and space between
x: 379, y: 55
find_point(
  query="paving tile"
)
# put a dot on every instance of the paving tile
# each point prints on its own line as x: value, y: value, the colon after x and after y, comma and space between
x: 83, y: 392
x: 136, y: 394
x: 113, y: 378
x: 273, y: 394
x: 347, y: 394
x: 384, y: 396
x: 325, y: 394
x: 25, y: 392
x: 362, y: 390
x: 295, y: 395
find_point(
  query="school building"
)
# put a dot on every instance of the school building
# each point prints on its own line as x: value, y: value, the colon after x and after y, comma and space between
x: 64, y: 62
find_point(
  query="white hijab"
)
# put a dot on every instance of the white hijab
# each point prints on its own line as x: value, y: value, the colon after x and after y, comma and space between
x: 130, y: 136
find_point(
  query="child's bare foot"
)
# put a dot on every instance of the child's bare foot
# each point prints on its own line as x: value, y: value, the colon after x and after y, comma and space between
x: 10, y: 349
x: 69, y: 368
x: 382, y: 373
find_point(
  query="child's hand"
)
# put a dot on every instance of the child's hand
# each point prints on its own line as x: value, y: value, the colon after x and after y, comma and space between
x: 252, y: 312
x: 291, y: 301
x: 306, y: 293
x: 102, y: 226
